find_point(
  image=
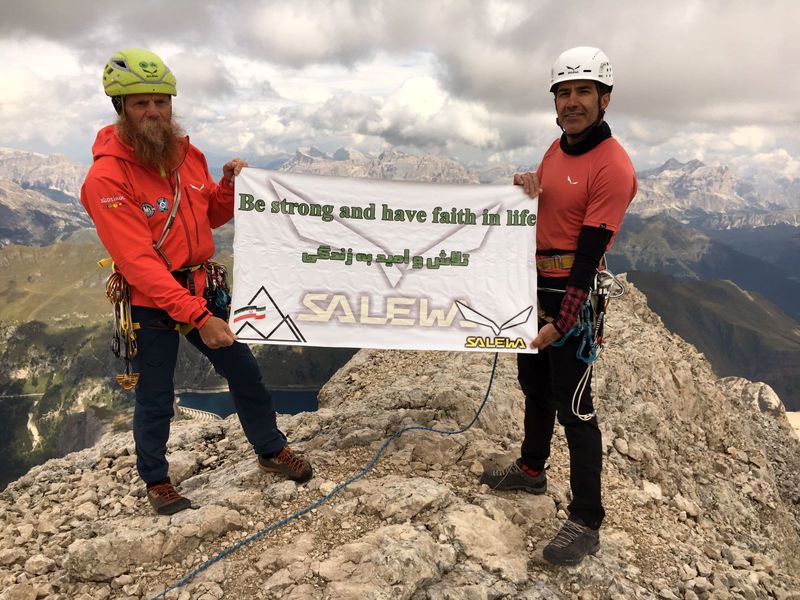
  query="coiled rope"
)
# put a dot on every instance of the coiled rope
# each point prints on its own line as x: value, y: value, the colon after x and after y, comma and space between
x: 336, y: 490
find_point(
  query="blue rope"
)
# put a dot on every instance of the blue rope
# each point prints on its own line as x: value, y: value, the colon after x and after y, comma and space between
x: 336, y: 490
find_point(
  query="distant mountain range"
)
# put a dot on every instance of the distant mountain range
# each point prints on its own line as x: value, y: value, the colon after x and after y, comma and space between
x: 712, y: 197
x: 707, y: 197
x: 53, y: 175
x: 661, y: 244
x: 39, y: 198
x: 391, y: 164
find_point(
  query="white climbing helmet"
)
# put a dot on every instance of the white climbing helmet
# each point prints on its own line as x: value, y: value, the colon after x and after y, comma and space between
x: 583, y: 62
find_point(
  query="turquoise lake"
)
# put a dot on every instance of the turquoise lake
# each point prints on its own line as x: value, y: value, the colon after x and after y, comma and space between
x: 288, y: 402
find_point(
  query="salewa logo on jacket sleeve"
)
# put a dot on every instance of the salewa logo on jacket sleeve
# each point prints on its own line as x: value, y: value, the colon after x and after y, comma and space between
x: 112, y: 201
x: 194, y: 187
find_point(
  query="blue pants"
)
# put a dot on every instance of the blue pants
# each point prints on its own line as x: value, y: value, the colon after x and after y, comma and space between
x: 155, y: 362
x: 548, y: 380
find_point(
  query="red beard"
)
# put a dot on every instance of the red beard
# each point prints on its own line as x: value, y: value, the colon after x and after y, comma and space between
x: 154, y: 141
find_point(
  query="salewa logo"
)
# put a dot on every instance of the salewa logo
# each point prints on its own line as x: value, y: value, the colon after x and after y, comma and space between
x: 569, y: 179
x: 194, y: 187
x: 504, y: 343
x: 573, y: 70
x: 473, y: 316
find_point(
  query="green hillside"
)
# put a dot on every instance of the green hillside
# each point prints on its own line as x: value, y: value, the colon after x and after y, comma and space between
x: 55, y: 333
x: 59, y: 284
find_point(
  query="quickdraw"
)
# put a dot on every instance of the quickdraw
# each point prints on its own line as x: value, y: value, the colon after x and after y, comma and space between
x: 217, y: 292
x: 589, y: 328
x: 124, y: 336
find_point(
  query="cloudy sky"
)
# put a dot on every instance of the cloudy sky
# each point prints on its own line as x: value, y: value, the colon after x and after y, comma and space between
x: 710, y: 79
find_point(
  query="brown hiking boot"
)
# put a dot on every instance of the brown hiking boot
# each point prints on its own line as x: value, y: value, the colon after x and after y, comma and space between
x: 166, y: 500
x: 288, y: 464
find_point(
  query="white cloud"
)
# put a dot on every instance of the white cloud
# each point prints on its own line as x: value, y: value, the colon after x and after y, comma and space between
x: 693, y: 79
x: 419, y: 97
x: 752, y: 137
x: 776, y: 161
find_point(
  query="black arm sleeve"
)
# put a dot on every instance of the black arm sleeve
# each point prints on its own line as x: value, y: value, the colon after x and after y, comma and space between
x: 592, y: 244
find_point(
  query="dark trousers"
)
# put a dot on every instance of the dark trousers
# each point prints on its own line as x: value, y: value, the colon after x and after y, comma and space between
x: 548, y: 380
x: 155, y: 362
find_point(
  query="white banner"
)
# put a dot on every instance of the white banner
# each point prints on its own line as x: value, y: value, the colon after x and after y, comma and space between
x: 364, y: 263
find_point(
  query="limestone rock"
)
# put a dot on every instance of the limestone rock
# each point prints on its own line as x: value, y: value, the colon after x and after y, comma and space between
x: 701, y: 484
x: 401, y: 498
x: 396, y: 558
x: 495, y: 541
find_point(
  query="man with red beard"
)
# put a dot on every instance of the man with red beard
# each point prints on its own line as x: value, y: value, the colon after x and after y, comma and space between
x: 153, y: 202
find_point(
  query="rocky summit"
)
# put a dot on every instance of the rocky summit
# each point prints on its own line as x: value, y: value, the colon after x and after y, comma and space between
x: 701, y: 486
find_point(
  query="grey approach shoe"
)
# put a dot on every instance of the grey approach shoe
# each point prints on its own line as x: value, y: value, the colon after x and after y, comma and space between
x: 514, y: 478
x: 572, y: 543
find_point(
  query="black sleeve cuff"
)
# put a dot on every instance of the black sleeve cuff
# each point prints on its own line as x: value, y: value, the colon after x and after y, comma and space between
x: 592, y: 244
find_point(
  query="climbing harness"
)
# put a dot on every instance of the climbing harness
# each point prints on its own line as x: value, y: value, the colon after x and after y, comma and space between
x: 124, y: 337
x: 557, y: 261
x: 119, y: 294
x: 216, y: 293
x: 336, y: 490
x: 589, y: 328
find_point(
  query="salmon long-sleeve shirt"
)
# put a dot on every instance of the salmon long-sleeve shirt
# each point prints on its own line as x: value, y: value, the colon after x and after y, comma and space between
x: 592, y: 189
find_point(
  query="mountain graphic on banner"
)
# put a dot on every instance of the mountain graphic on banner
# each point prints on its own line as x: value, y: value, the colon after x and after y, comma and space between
x: 267, y: 322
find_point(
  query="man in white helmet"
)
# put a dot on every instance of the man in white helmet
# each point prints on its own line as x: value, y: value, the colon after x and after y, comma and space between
x: 585, y: 183
x: 153, y: 202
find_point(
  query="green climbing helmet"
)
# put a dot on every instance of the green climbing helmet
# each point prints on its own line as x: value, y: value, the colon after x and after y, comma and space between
x: 137, y: 71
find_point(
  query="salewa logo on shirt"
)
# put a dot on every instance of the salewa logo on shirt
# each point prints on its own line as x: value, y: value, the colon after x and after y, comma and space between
x: 112, y: 201
x: 569, y: 179
x: 194, y: 187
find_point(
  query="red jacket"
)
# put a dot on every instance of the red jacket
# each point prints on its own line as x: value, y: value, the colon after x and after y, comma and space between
x: 129, y: 204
